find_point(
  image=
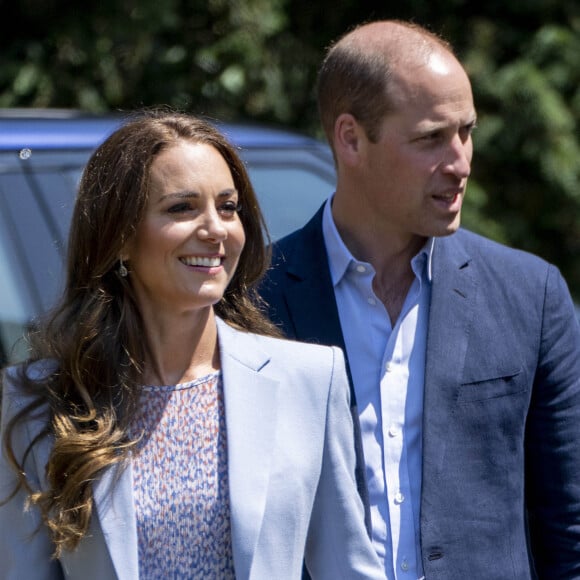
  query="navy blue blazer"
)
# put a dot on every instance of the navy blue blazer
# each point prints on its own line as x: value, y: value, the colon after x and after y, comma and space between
x: 501, y: 425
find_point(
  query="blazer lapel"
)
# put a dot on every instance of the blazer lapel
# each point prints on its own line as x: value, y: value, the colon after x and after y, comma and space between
x: 251, y: 403
x: 452, y: 308
x: 113, y: 527
x: 310, y: 296
x: 116, y: 512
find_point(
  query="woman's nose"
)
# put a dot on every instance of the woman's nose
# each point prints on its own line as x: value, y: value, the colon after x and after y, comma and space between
x: 211, y: 227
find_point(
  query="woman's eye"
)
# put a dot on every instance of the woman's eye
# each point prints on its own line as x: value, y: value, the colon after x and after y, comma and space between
x: 229, y: 208
x: 179, y: 207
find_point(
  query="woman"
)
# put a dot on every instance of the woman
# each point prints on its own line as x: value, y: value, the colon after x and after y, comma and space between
x: 158, y: 432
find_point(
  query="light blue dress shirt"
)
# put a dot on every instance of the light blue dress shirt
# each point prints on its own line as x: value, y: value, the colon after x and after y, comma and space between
x: 388, y: 370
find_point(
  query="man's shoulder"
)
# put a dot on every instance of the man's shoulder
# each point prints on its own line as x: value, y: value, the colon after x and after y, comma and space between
x: 300, y: 250
x: 289, y: 243
x: 491, y: 252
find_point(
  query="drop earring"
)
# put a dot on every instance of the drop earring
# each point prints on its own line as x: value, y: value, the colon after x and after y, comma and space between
x: 122, y: 269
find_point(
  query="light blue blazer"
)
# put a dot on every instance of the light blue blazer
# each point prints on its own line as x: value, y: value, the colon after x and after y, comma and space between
x: 291, y: 475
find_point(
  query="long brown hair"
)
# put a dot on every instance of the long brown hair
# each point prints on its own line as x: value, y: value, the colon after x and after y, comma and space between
x: 95, y: 336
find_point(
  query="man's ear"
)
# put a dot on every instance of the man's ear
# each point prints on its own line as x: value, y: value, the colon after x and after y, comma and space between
x: 348, y: 134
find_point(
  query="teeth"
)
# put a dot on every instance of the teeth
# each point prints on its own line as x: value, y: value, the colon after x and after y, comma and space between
x: 199, y: 261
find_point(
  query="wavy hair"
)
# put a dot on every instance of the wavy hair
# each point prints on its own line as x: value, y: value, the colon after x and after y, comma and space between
x: 95, y: 335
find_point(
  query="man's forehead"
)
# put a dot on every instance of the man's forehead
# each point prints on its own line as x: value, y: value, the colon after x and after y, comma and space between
x: 439, y: 62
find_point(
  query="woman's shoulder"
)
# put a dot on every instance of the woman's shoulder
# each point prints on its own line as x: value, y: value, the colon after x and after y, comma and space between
x: 13, y: 389
x: 281, y: 357
x: 34, y: 371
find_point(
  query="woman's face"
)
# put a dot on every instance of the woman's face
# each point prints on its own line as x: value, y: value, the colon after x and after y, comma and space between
x: 187, y: 247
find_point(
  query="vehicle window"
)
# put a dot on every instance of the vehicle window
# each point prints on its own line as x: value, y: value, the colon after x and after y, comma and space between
x: 290, y: 184
x: 36, y: 200
x: 14, y: 313
x: 37, y: 224
x: 288, y: 197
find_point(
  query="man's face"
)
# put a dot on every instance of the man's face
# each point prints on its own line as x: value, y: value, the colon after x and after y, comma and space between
x: 415, y: 175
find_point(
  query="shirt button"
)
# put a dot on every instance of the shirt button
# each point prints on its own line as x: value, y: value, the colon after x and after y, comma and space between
x: 393, y: 431
x: 360, y: 268
x: 399, y: 497
x: 404, y: 565
x: 371, y: 301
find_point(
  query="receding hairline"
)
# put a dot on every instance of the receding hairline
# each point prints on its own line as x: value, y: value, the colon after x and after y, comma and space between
x: 405, y: 43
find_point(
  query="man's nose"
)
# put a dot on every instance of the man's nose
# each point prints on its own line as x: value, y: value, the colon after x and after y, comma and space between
x: 459, y: 154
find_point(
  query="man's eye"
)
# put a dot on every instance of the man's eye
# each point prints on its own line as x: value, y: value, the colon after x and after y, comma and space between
x: 436, y: 135
x: 467, y: 130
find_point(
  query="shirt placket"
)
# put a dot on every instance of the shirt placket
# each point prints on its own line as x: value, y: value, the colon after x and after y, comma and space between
x: 394, y: 392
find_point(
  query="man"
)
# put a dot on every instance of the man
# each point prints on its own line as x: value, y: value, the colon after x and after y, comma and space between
x: 464, y: 355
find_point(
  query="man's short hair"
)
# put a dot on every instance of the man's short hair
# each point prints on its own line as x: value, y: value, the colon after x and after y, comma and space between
x: 356, y: 76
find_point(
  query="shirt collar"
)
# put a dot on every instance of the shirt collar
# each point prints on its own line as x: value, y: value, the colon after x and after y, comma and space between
x: 340, y: 258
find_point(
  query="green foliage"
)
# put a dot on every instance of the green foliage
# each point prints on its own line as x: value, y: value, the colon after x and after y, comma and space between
x: 528, y: 146
x: 257, y: 59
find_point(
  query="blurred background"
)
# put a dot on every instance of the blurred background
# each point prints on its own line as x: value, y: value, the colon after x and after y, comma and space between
x: 257, y: 60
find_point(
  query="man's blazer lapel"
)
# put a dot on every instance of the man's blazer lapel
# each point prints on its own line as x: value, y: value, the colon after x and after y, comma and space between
x: 453, y: 296
x: 310, y: 295
x: 251, y: 403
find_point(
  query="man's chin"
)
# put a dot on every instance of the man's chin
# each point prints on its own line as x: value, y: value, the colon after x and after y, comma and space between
x: 449, y: 228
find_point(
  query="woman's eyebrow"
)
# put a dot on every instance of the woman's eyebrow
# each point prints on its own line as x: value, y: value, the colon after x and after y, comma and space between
x: 188, y: 194
x: 179, y: 195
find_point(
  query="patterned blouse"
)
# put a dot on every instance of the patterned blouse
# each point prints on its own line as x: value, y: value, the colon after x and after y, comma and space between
x: 180, y: 482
